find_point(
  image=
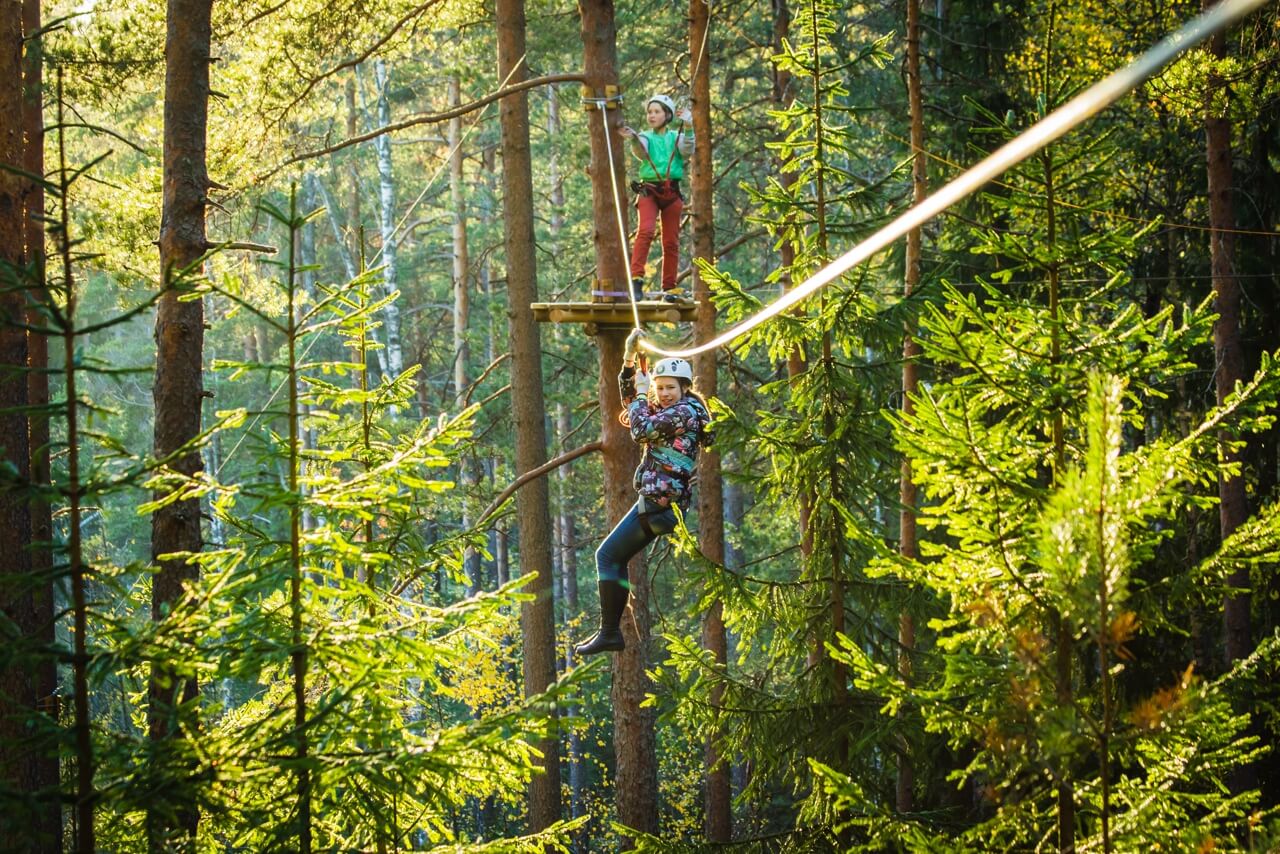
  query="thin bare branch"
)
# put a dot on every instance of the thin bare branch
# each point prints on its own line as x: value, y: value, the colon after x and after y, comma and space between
x: 549, y: 466
x: 424, y: 119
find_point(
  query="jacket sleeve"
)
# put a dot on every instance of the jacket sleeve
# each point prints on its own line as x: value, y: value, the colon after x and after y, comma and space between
x: 640, y: 145
x: 627, y: 384
x: 649, y: 426
x: 685, y: 143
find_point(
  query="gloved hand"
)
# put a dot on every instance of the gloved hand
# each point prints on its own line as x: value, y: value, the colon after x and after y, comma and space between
x: 632, y: 346
x: 642, y: 383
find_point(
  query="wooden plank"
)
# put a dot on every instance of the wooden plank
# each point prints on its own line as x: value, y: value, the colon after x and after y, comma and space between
x: 613, y: 314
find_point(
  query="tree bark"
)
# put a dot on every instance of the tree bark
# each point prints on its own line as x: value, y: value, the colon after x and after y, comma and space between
x: 529, y: 409
x: 797, y: 361
x: 634, y: 742
x: 1233, y: 508
x: 461, y: 317
x: 19, y: 701
x: 907, y: 545
x: 394, y: 358
x: 718, y: 816
x: 179, y: 390
x: 46, y: 824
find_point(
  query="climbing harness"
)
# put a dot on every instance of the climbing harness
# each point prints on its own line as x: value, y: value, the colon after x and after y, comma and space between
x: 1053, y: 126
x: 663, y: 191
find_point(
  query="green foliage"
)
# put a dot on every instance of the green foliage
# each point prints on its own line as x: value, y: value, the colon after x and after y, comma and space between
x: 415, y: 731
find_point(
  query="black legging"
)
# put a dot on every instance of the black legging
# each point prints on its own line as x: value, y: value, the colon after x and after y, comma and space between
x: 628, y: 538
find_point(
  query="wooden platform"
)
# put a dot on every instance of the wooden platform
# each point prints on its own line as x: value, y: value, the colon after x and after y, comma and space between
x: 614, y: 313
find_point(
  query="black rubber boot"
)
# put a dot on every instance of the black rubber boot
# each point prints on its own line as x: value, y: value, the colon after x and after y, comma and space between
x: 613, y: 601
x: 637, y: 289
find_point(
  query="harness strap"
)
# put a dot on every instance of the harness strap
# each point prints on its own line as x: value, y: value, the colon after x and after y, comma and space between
x: 671, y: 456
x: 666, y: 175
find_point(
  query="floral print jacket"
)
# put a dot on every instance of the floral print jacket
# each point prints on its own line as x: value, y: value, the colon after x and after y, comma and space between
x: 671, y: 438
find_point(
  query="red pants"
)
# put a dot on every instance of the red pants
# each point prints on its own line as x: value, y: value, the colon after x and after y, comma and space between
x: 648, y: 209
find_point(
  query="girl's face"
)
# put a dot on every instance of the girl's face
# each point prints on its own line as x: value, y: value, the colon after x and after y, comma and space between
x: 655, y: 114
x: 667, y: 390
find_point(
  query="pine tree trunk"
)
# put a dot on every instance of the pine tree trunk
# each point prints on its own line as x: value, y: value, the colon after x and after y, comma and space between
x: 46, y: 824
x: 910, y: 353
x: 634, y: 742
x: 1233, y: 508
x: 461, y: 316
x: 179, y: 388
x: 835, y: 585
x: 19, y: 697
x: 797, y: 361
x: 529, y: 409
x: 502, y: 557
x: 568, y: 542
x: 355, y: 218
x: 718, y: 816
x: 394, y: 354
x: 568, y: 546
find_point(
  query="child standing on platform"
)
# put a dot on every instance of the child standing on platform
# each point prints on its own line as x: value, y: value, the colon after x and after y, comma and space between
x: 662, y: 152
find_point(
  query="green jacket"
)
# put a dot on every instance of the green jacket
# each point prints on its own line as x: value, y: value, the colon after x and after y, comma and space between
x: 664, y: 145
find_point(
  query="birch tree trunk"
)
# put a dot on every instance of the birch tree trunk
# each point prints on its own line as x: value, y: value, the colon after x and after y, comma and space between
x: 532, y: 502
x: 717, y: 816
x: 634, y: 742
x: 394, y: 359
x: 179, y: 387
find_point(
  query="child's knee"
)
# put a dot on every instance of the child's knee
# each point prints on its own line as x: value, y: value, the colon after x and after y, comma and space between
x: 608, y: 567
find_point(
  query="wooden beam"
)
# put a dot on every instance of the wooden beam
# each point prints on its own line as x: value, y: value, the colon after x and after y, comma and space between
x: 613, y: 314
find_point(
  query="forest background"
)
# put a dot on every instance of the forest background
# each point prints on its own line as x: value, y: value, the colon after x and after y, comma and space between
x: 986, y: 554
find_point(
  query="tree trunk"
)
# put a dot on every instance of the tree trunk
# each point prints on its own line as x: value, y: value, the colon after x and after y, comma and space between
x: 394, y: 358
x: 568, y: 527
x: 718, y: 816
x: 46, y: 824
x: 461, y: 317
x: 568, y: 546
x: 910, y: 353
x: 502, y: 557
x: 1233, y: 508
x: 19, y: 700
x: 797, y: 361
x: 634, y: 741
x: 529, y: 409
x: 179, y: 389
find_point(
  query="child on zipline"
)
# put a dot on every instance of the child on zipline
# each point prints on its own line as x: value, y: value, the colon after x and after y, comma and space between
x: 662, y: 153
x: 670, y: 419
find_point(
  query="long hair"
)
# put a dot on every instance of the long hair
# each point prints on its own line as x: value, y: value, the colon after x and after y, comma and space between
x: 689, y: 389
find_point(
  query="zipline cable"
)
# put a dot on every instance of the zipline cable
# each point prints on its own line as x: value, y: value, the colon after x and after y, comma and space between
x: 1053, y: 126
x: 1164, y: 223
x: 617, y: 207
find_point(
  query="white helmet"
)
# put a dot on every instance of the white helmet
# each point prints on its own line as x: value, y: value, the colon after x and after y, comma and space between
x: 674, y: 368
x: 664, y: 101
